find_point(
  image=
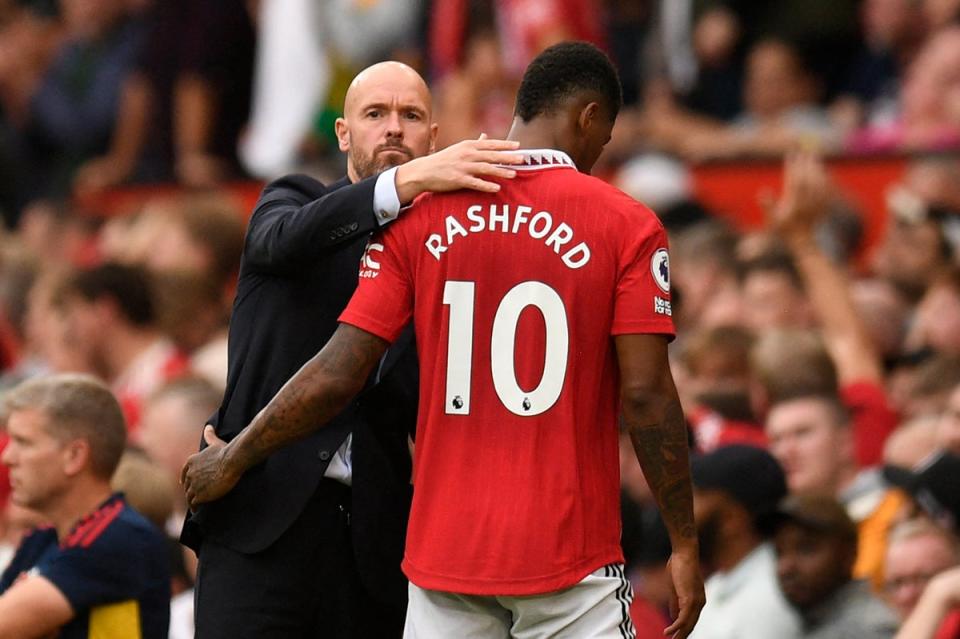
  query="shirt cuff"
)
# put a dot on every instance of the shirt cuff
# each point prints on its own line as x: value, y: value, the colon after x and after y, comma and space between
x: 386, y: 202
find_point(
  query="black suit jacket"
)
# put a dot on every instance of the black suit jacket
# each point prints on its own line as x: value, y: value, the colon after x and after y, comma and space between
x: 299, y: 269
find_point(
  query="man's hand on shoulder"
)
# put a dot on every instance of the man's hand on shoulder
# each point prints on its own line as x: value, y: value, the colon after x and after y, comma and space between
x: 466, y: 165
x: 205, y: 477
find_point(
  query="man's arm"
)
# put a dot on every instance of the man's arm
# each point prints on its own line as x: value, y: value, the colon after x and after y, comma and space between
x: 291, y: 226
x: 653, y: 417
x: 316, y: 394
x: 939, y: 598
x: 33, y: 607
x: 804, y: 203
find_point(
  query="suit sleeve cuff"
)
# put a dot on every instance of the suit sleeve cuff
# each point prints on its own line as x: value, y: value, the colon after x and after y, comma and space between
x: 386, y: 202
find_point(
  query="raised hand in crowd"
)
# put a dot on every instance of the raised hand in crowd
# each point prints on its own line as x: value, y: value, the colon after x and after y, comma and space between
x: 939, y: 598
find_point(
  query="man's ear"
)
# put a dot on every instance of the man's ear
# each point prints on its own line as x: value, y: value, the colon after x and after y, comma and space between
x: 76, y: 457
x: 588, y: 114
x: 343, y: 134
x: 433, y: 137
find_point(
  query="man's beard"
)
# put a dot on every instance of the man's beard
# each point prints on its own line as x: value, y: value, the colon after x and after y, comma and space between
x: 377, y: 162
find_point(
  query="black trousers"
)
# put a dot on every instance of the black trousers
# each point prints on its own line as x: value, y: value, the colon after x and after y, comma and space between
x: 304, y: 586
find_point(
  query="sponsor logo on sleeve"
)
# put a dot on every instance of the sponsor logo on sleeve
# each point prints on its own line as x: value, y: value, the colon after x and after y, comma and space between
x: 660, y: 268
x: 369, y: 263
x: 662, y: 306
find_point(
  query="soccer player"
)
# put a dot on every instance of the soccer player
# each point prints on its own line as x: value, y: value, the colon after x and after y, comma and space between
x: 540, y: 312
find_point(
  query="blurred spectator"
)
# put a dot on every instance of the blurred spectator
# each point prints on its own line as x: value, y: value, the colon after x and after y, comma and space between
x: 112, y: 319
x: 718, y: 388
x: 933, y: 487
x: 66, y: 438
x: 936, y: 323
x: 884, y: 313
x: 526, y: 28
x: 929, y: 112
x: 892, y: 31
x: 68, y: 112
x: 477, y: 97
x: 816, y: 546
x: 186, y: 102
x: 948, y: 425
x: 924, y: 388
x: 780, y: 98
x: 786, y: 364
x: 703, y: 261
x: 773, y: 292
x: 803, y: 204
x: 189, y: 232
x: 170, y: 431
x: 918, y: 551
x: 146, y: 487
x: 912, y: 442
x: 47, y: 345
x: 628, y: 27
x: 736, y: 489
x: 811, y: 436
x: 940, y: 601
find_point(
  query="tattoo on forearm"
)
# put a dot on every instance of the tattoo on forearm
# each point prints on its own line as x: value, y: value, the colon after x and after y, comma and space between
x: 664, y: 455
x: 319, y: 390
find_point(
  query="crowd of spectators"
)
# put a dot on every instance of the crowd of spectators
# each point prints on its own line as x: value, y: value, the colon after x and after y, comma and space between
x: 820, y: 377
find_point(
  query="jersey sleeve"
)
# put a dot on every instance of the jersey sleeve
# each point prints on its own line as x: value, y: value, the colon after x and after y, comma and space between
x: 383, y: 301
x: 642, y: 299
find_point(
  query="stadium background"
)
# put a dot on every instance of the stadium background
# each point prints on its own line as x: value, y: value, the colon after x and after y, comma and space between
x: 140, y: 132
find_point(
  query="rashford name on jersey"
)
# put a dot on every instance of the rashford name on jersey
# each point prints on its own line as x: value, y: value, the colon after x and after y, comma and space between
x: 506, y: 218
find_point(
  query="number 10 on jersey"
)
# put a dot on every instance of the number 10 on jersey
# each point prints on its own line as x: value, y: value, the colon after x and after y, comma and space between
x: 460, y: 296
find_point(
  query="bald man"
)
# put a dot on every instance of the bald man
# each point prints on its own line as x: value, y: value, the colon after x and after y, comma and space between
x: 309, y: 544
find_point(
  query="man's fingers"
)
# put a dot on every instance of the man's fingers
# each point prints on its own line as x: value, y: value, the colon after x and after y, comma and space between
x: 495, y: 157
x: 492, y: 170
x: 495, y: 145
x: 477, y: 184
x: 210, y: 436
x: 679, y: 625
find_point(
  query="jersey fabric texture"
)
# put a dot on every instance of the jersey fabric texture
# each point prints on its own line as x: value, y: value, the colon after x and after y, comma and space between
x: 112, y: 568
x: 514, y: 297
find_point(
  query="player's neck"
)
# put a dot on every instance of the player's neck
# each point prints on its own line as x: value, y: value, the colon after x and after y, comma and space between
x: 539, y: 133
x: 82, y: 501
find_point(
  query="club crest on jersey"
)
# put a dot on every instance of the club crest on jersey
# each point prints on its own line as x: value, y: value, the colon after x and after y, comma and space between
x: 660, y: 268
x: 370, y: 267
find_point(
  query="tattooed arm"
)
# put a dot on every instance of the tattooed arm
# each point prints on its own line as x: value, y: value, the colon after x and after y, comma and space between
x: 653, y: 416
x: 317, y: 393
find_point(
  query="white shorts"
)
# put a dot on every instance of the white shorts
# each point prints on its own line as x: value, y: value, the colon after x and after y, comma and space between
x: 596, y: 608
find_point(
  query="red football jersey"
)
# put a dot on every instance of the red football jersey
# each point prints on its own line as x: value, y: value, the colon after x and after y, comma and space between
x: 514, y: 298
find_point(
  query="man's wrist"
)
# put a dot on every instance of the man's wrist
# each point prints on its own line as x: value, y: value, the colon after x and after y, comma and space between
x: 386, y: 200
x: 407, y: 182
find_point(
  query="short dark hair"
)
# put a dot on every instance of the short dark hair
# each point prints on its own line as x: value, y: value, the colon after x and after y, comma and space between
x: 129, y: 286
x: 563, y: 70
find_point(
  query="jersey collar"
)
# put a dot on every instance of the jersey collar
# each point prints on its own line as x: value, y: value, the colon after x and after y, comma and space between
x: 542, y: 159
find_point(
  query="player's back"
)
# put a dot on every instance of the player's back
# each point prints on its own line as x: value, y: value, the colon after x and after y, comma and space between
x: 516, y: 297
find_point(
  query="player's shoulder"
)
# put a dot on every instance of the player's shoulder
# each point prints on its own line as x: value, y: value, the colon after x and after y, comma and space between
x: 616, y: 202
x: 116, y: 527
